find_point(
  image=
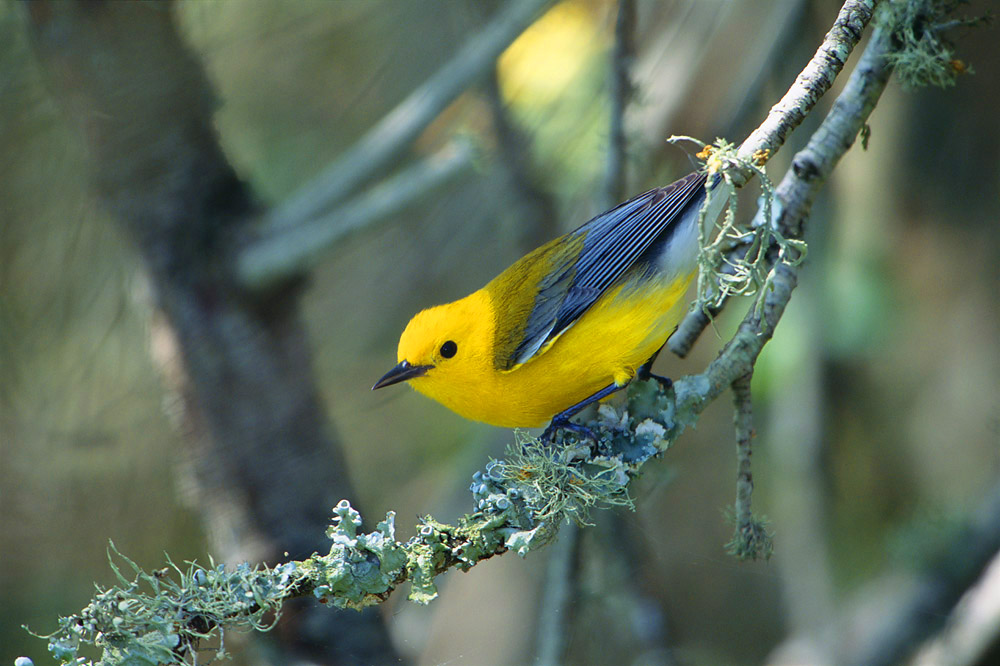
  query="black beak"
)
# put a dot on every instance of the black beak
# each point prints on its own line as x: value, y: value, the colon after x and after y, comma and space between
x: 401, y: 373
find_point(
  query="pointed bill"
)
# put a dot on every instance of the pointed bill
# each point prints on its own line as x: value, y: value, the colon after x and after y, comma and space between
x: 401, y: 373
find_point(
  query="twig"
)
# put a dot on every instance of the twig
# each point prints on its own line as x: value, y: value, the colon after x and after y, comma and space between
x: 783, y: 22
x: 391, y: 136
x: 621, y: 93
x: 814, y: 80
x: 750, y: 538
x: 285, y: 252
x: 810, y: 167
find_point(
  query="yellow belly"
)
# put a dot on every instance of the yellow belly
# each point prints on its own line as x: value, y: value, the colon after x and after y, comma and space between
x: 619, y: 333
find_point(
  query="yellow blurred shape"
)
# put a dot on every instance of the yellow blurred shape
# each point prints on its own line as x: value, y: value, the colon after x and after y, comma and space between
x: 548, y: 56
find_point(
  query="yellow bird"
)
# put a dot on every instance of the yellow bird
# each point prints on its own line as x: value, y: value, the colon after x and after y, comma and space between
x: 566, y: 325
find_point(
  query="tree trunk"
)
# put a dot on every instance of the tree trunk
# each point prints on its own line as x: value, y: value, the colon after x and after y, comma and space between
x: 265, y: 465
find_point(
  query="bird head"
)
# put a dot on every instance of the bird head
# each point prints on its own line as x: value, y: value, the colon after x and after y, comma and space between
x: 445, y: 347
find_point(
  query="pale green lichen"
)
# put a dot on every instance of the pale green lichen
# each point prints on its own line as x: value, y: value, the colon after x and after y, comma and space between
x: 923, y: 54
x: 752, y: 539
x: 735, y: 259
x: 556, y: 484
x: 358, y: 566
x: 160, y: 617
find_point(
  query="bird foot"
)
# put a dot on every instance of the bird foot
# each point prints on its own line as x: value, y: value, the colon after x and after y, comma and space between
x: 666, y: 383
x: 558, y: 424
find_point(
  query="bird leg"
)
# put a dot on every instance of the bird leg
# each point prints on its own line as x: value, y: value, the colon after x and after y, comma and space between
x: 645, y: 372
x: 561, y: 420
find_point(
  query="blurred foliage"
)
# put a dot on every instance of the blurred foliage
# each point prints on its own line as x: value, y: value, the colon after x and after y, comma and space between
x: 884, y: 375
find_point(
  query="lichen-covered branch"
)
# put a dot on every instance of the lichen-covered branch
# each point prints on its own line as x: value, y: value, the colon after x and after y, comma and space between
x: 811, y: 83
x: 164, y: 616
x: 921, y: 53
x: 794, y: 196
x: 237, y: 366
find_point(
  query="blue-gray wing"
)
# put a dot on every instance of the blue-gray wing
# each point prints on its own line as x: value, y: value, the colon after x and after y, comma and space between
x: 612, y: 242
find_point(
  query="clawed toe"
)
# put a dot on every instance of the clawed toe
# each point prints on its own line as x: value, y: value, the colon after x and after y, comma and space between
x: 565, y: 424
x: 666, y: 383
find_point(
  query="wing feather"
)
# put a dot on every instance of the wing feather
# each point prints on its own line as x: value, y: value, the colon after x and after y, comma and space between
x: 612, y: 242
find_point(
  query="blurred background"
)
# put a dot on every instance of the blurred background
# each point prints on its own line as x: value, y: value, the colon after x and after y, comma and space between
x: 877, y: 402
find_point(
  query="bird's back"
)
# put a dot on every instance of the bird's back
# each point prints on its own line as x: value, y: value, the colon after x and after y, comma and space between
x: 543, y: 294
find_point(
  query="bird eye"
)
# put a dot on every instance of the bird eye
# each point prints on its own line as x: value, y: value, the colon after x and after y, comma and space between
x: 449, y: 349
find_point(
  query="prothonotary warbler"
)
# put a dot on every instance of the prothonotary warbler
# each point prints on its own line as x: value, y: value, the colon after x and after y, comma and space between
x: 567, y: 324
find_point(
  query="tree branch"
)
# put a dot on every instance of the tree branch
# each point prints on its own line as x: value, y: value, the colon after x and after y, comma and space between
x: 928, y: 599
x: 236, y: 365
x: 926, y: 606
x: 811, y: 83
x: 293, y: 234
x: 292, y: 250
x: 810, y: 168
x: 621, y: 92
x: 750, y: 538
x: 377, y: 149
x: 972, y: 630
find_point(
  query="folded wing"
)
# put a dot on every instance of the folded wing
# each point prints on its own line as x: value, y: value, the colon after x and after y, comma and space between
x: 612, y: 242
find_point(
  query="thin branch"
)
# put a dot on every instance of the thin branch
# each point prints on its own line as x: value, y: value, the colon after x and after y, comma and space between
x: 750, y: 538
x: 396, y: 131
x: 794, y: 195
x: 811, y: 83
x: 743, y: 422
x: 293, y: 250
x: 621, y: 92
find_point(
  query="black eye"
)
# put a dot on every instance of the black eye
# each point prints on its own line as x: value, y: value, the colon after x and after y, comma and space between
x: 449, y: 349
